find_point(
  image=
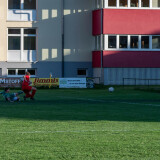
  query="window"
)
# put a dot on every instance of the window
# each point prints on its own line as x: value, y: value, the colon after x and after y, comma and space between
x: 11, y: 72
x: 131, y: 3
x: 22, y: 4
x: 29, y: 39
x: 29, y: 31
x: 21, y: 10
x: 134, y: 42
x: 155, y: 3
x: 32, y: 71
x: 112, y: 3
x: 14, y: 43
x: 123, y: 3
x: 21, y: 45
x: 29, y: 4
x: 156, y: 42
x: 21, y: 72
x: 82, y: 72
x: 123, y: 41
x: 145, y: 3
x: 145, y: 42
x: 29, y: 43
x: 14, y: 4
x: 14, y: 31
x: 14, y: 39
x: 134, y: 3
x: 112, y: 42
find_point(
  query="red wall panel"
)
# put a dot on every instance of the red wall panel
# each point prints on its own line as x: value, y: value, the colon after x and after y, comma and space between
x: 131, y: 21
x: 96, y: 59
x: 96, y: 22
x: 134, y: 59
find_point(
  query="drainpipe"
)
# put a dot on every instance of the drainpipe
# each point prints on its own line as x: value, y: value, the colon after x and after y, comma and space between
x: 62, y: 21
x: 102, y: 46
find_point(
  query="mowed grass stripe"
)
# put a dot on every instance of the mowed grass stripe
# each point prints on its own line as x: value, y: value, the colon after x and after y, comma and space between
x: 109, y: 101
x: 75, y: 128
x: 75, y: 131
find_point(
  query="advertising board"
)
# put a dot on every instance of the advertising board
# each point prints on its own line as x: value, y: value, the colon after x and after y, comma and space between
x: 10, y: 82
x: 72, y: 83
x: 45, y: 81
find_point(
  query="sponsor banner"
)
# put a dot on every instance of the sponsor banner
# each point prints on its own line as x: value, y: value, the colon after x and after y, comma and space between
x: 72, y: 83
x: 45, y: 82
x: 10, y: 82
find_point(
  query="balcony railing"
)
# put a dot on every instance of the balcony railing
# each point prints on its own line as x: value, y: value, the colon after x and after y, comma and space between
x: 21, y: 15
x: 18, y: 56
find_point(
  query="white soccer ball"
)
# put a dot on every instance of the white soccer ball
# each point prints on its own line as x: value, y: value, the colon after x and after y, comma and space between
x: 111, y: 89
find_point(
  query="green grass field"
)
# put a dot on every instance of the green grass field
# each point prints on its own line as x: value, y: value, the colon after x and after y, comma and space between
x: 82, y: 124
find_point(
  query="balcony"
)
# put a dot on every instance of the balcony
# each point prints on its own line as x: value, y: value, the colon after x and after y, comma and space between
x: 18, y: 56
x: 21, y: 10
x: 21, y: 15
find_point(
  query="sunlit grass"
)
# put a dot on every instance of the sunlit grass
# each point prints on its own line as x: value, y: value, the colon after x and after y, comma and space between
x: 82, y: 124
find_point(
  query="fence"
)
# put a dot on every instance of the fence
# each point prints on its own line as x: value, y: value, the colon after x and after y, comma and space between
x: 138, y: 81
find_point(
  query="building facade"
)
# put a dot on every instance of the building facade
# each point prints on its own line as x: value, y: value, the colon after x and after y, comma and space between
x: 117, y: 41
x: 43, y: 37
x: 127, y: 47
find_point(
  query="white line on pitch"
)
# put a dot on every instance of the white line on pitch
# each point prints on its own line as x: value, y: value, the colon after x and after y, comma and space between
x: 105, y: 101
x: 76, y: 131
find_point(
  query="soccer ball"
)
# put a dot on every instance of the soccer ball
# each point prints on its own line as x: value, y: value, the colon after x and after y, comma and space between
x: 110, y: 89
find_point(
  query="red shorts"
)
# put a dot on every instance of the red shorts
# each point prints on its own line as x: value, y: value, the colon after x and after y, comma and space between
x: 26, y: 88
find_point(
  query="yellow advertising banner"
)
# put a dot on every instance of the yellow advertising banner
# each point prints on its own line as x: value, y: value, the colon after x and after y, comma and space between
x: 45, y: 82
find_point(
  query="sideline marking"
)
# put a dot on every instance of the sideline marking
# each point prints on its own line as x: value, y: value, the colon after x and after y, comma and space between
x: 80, y: 131
x: 105, y: 101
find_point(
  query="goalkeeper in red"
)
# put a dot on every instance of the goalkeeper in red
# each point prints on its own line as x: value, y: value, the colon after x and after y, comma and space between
x: 26, y: 88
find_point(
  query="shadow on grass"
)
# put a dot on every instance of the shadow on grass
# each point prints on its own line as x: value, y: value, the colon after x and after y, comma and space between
x: 82, y: 110
x: 152, y: 89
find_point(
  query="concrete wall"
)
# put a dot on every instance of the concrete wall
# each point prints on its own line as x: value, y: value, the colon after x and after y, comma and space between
x: 43, y: 68
x: 4, y: 24
x: 49, y: 30
x: 131, y: 21
x: 114, y: 76
x: 3, y: 31
x: 98, y: 75
x: 97, y: 22
x: 131, y: 59
x: 78, y: 40
x: 71, y: 68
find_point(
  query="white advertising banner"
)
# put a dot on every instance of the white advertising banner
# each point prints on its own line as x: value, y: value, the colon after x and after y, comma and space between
x: 72, y: 83
x: 10, y: 82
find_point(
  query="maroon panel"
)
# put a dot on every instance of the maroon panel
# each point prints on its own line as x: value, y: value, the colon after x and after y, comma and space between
x: 131, y: 21
x: 96, y: 22
x: 96, y: 59
x: 135, y: 59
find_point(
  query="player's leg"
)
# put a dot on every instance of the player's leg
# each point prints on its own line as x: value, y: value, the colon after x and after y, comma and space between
x: 20, y: 92
x: 27, y: 90
x: 27, y: 93
x: 33, y: 92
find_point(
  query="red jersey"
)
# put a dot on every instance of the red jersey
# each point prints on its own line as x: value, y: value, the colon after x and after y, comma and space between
x: 26, y: 81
